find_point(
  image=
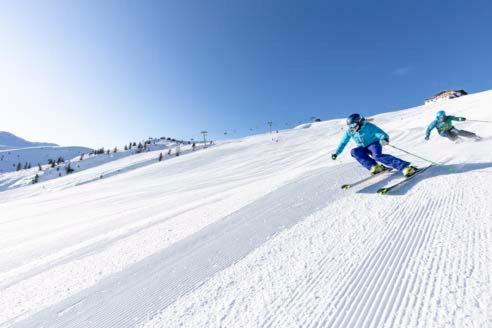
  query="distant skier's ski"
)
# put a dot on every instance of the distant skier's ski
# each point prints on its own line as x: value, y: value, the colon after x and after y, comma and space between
x: 350, y: 185
x: 385, y: 190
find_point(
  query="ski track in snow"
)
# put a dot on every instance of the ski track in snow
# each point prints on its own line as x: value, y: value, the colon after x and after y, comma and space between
x: 253, y: 233
x: 242, y: 231
x: 406, y: 278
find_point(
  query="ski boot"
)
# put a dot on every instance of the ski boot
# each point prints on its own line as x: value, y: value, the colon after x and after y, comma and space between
x: 409, y: 171
x: 378, y: 168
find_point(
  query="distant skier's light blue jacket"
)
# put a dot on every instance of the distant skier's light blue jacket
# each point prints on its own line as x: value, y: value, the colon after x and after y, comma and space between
x: 368, y: 134
x: 442, y: 126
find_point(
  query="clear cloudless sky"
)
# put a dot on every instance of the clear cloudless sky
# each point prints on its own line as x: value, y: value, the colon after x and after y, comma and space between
x: 102, y: 73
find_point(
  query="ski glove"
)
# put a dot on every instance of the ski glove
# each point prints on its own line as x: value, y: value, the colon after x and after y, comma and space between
x: 462, y: 119
x: 384, y: 142
x: 334, y: 156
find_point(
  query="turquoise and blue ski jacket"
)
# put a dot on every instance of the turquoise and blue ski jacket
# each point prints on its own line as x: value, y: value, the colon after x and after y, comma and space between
x: 445, y: 125
x: 368, y: 134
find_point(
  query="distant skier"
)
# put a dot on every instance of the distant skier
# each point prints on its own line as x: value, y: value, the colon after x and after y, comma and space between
x: 444, y: 125
x: 370, y: 140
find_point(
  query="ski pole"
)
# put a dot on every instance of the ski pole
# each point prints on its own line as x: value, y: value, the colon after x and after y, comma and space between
x: 479, y: 121
x: 409, y: 153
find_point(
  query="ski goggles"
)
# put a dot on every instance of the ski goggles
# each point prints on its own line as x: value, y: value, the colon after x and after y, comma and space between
x: 354, y: 126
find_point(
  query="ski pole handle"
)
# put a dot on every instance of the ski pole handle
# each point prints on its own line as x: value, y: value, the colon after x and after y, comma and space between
x: 409, y: 153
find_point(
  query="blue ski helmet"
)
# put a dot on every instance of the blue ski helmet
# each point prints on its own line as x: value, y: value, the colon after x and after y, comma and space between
x: 440, y: 114
x: 355, y: 121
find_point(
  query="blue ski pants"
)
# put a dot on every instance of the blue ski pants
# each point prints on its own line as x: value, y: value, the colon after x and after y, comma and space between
x: 369, y: 156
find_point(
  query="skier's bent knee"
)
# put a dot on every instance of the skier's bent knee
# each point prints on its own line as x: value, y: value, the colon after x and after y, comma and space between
x: 355, y: 151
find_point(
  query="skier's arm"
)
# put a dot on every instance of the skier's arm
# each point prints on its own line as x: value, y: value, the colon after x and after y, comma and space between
x: 380, y: 134
x: 343, y: 143
x: 457, y: 118
x: 429, y: 129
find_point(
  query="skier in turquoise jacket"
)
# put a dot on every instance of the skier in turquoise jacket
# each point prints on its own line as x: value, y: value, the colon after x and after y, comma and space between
x: 444, y: 125
x: 370, y: 139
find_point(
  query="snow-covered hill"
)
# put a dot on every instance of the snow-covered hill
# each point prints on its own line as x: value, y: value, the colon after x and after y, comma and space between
x: 11, y: 141
x: 256, y: 232
x: 15, y: 151
x: 10, y: 159
x: 97, y: 166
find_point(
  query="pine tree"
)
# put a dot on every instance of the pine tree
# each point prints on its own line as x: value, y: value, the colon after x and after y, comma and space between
x: 39, y: 166
x: 81, y: 157
x: 115, y: 150
x: 29, y: 166
x: 126, y: 147
x: 19, y: 167
x: 99, y: 151
x: 69, y: 169
x: 160, y: 157
x: 35, y: 179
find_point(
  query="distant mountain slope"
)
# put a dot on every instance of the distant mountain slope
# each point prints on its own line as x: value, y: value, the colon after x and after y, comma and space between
x: 15, y: 150
x: 94, y: 166
x: 9, y: 159
x: 11, y: 141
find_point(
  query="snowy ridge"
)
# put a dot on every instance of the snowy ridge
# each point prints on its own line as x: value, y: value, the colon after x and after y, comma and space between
x: 101, y: 166
x: 11, y: 141
x: 16, y: 151
x: 255, y: 233
x: 11, y: 158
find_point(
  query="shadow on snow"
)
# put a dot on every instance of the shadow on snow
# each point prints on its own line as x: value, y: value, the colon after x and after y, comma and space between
x: 432, y: 172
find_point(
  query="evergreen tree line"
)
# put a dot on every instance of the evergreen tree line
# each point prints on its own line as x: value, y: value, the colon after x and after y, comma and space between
x: 19, y: 166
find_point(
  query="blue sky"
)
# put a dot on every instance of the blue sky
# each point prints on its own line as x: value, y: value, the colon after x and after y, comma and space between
x: 105, y: 73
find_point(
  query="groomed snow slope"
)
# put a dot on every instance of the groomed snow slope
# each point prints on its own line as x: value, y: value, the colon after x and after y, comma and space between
x: 258, y: 233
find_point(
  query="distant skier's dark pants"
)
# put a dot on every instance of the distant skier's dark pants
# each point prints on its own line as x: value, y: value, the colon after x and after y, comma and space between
x: 453, y: 134
x: 369, y: 156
